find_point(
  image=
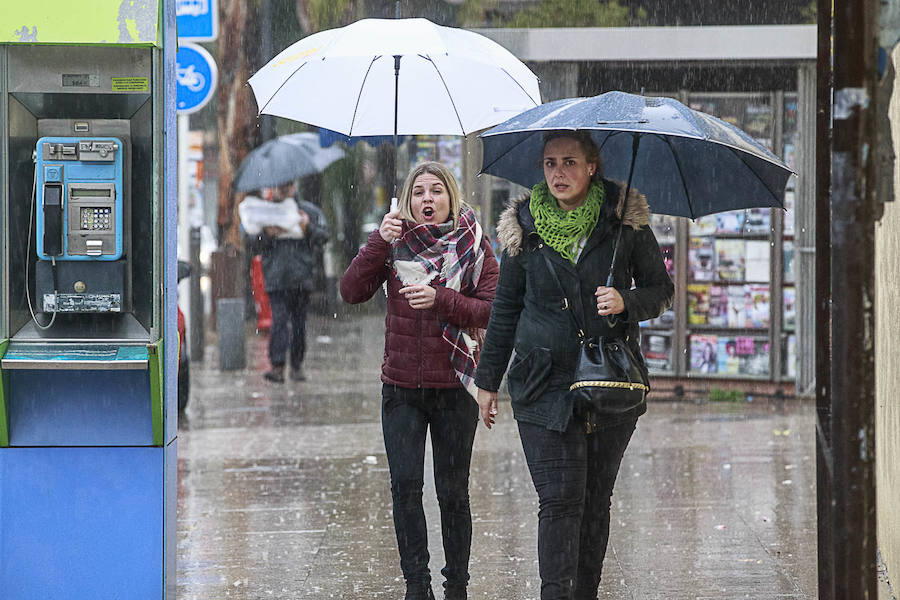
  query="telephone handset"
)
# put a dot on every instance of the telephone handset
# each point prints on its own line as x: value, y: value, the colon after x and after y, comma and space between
x: 52, y: 206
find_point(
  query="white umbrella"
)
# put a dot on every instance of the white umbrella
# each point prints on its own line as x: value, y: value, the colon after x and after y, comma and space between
x: 406, y: 76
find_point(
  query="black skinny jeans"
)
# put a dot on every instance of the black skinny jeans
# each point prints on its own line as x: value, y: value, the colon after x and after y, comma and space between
x: 288, y: 327
x: 406, y: 415
x: 574, y: 474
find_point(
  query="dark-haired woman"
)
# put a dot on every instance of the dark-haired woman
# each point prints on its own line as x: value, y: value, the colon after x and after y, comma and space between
x: 571, y: 219
x: 441, y: 274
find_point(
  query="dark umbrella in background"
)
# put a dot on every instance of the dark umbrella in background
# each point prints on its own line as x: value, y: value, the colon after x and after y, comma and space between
x: 284, y: 159
x: 687, y: 163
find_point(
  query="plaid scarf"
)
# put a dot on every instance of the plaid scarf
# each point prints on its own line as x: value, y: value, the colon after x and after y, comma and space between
x: 442, y: 255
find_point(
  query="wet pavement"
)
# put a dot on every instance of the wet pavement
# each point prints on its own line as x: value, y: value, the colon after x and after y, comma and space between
x: 284, y: 491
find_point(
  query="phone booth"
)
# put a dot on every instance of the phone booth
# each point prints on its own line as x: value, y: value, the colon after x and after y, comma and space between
x: 88, y: 343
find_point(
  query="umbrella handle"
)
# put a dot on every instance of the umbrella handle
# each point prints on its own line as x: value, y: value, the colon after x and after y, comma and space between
x: 612, y: 320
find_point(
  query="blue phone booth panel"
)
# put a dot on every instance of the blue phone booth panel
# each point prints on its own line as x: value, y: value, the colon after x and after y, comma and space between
x: 79, y: 523
x: 79, y: 408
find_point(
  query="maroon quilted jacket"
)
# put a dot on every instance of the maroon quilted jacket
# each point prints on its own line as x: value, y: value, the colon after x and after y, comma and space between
x: 415, y: 353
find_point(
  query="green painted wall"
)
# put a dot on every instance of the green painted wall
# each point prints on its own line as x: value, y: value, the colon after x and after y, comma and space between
x: 81, y: 22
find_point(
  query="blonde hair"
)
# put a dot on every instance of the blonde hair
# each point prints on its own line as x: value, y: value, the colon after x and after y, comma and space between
x: 446, y: 177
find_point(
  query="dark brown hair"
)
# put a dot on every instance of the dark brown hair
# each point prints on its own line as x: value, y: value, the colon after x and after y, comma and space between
x: 587, y: 143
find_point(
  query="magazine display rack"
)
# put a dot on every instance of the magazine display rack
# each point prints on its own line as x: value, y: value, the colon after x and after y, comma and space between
x: 734, y: 315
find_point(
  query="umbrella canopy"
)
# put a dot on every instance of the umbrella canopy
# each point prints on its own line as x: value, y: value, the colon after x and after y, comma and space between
x: 686, y: 162
x: 284, y: 159
x: 446, y: 81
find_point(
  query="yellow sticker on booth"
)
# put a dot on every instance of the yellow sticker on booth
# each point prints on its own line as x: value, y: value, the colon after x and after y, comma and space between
x: 130, y: 84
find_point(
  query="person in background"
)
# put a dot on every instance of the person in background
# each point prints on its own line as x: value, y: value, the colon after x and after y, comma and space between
x: 288, y: 262
x: 570, y: 220
x: 440, y: 275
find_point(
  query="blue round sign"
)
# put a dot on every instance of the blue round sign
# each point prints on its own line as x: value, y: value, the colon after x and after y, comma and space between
x: 196, y: 74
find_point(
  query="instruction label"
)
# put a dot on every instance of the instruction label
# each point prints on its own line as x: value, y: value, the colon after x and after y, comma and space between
x: 130, y: 84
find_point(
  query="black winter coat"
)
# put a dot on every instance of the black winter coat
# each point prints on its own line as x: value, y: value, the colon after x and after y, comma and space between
x: 528, y: 316
x: 290, y: 263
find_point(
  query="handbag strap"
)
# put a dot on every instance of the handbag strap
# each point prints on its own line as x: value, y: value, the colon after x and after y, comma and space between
x: 612, y: 320
x: 568, y: 305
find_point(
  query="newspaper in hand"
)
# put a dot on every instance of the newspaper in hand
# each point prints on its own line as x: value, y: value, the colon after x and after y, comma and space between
x: 256, y: 214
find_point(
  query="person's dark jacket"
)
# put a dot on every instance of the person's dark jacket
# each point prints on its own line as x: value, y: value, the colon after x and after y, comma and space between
x: 528, y: 313
x: 290, y: 263
x: 415, y: 352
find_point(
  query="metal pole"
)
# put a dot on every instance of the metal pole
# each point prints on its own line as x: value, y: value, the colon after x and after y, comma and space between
x: 824, y: 466
x: 396, y: 109
x: 852, y: 269
x: 197, y: 331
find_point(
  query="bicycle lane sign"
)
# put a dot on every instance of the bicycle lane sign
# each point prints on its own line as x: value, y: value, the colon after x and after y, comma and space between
x: 196, y: 75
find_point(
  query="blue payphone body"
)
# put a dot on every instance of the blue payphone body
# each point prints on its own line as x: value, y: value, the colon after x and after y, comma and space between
x: 79, y: 198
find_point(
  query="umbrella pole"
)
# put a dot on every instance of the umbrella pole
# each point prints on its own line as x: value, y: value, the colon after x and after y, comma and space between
x: 635, y: 142
x: 396, y: 102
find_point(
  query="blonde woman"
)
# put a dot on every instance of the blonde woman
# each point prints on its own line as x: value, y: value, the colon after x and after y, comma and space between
x: 440, y: 274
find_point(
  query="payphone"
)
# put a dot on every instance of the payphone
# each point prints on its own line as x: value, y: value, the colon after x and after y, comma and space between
x: 88, y: 338
x: 79, y: 190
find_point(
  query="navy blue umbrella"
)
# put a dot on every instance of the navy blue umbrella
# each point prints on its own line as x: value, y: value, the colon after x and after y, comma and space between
x: 686, y: 162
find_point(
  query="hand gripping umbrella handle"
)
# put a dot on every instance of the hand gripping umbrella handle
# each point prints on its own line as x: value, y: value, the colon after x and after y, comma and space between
x: 635, y: 142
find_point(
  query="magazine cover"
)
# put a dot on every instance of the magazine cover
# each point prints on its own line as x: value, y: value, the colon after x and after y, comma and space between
x: 663, y: 227
x: 657, y: 349
x: 730, y: 255
x: 730, y: 222
x: 668, y: 255
x: 756, y: 260
x: 753, y: 356
x: 698, y: 303
x: 718, y: 306
x: 704, y: 225
x: 664, y: 320
x: 727, y: 356
x: 789, y: 211
x: 737, y: 306
x: 704, y: 350
x: 759, y: 308
x: 790, y: 356
x: 790, y: 309
x: 701, y: 259
x: 758, y: 221
x: 789, y: 273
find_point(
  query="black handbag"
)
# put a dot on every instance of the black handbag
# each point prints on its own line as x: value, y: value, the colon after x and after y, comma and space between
x: 609, y: 378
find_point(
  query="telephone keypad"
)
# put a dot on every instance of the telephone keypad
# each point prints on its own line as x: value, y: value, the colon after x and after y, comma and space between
x: 96, y: 218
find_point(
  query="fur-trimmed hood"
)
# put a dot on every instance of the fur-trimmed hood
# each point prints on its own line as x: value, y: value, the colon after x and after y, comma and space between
x: 515, y: 220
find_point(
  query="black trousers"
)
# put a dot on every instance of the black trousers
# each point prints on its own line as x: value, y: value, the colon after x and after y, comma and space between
x: 452, y: 415
x: 574, y: 474
x: 288, y: 326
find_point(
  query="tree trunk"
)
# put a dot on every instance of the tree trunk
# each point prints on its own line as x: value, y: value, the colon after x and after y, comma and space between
x: 236, y: 110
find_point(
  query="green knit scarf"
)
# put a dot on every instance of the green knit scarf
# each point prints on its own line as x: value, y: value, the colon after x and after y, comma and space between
x: 563, y: 230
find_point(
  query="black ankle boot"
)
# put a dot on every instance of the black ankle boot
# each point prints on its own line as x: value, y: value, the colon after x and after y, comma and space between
x: 455, y: 592
x: 418, y: 591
